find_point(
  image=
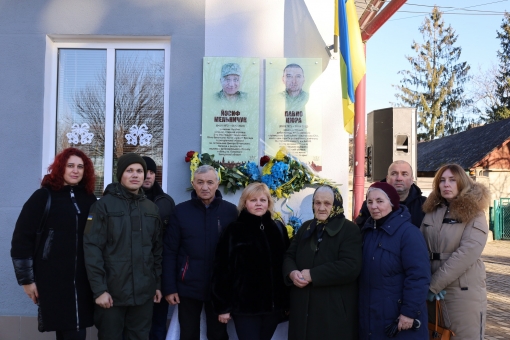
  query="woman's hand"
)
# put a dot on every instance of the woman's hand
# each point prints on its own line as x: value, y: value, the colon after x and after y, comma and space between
x: 31, y: 291
x: 298, y: 279
x: 306, y: 275
x: 105, y: 300
x: 404, y: 323
x: 223, y: 318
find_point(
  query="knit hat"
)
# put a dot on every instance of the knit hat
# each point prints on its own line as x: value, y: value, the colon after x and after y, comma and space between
x: 390, y: 191
x: 151, y: 165
x: 128, y: 159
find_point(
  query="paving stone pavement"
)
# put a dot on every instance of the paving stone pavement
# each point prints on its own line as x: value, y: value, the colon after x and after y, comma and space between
x: 496, y: 257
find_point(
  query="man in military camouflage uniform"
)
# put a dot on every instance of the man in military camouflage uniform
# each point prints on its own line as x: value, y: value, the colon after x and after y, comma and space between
x: 230, y: 82
x: 294, y: 78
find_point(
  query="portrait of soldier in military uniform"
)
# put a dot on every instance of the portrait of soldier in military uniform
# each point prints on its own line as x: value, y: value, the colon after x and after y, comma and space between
x: 230, y: 82
x: 294, y: 78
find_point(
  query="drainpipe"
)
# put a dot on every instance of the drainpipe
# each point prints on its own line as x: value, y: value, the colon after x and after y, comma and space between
x: 358, y: 184
x: 359, y: 108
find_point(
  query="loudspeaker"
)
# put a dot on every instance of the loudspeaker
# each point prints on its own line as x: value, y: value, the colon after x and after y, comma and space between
x: 391, y: 136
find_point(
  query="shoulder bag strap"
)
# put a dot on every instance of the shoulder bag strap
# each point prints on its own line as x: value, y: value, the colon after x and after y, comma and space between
x: 40, y: 230
x: 438, y: 308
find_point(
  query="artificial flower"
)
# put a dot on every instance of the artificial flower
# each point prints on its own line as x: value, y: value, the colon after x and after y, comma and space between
x: 251, y: 170
x: 283, y: 174
x: 280, y: 155
x: 293, y: 225
x: 264, y: 160
x: 290, y: 231
x: 266, y: 170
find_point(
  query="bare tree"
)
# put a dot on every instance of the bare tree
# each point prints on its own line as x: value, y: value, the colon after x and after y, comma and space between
x: 483, y: 91
x: 139, y: 99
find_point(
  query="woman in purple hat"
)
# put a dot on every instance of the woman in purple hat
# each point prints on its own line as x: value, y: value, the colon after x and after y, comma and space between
x: 395, y: 276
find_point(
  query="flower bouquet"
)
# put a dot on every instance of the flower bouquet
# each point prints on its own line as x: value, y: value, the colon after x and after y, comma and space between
x: 292, y: 224
x: 284, y: 174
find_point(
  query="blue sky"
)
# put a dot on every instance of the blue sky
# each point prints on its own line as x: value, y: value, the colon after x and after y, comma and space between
x: 387, y: 49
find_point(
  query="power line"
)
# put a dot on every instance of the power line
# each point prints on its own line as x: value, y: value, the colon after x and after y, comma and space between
x: 488, y: 3
x: 448, y: 12
x: 463, y: 9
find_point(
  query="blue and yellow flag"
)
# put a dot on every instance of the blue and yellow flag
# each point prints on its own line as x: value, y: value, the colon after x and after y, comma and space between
x: 352, y: 56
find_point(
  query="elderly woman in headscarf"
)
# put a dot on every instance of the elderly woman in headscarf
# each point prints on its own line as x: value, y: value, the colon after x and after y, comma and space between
x: 396, y: 274
x: 322, y: 265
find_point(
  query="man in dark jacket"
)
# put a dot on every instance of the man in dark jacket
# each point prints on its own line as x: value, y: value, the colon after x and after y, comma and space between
x: 122, y: 245
x: 400, y: 176
x: 166, y: 205
x: 188, y: 255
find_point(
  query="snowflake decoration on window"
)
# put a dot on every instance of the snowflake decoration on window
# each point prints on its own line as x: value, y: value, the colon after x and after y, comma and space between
x: 135, y: 131
x: 80, y: 134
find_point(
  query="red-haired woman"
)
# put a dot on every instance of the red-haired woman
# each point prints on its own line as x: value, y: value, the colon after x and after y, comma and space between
x: 54, y: 277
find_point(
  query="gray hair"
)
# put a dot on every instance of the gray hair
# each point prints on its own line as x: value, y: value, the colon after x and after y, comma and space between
x: 324, y: 188
x: 381, y: 190
x: 205, y: 169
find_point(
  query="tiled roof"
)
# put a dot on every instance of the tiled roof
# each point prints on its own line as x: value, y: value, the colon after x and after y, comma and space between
x: 464, y: 148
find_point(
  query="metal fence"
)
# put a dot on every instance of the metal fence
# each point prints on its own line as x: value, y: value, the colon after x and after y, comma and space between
x: 500, y: 219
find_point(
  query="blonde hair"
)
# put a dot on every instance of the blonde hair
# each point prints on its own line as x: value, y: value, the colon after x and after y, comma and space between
x: 464, y: 183
x: 252, y: 190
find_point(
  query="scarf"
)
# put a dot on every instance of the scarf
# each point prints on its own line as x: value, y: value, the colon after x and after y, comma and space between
x: 336, y: 211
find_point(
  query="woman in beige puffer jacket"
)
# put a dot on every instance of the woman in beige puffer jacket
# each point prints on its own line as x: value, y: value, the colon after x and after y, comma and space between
x: 455, y: 230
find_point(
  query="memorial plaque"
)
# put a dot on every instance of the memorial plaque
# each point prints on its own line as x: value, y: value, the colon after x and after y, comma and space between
x: 293, y: 116
x: 230, y: 109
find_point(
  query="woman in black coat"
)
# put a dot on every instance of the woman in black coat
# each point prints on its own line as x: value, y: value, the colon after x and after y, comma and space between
x: 54, y: 275
x: 247, y: 281
x: 322, y: 265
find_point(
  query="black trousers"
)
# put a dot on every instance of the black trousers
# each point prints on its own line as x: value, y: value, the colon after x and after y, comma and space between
x: 71, y: 335
x: 189, y: 320
x: 159, y: 318
x: 256, y: 327
x: 132, y: 321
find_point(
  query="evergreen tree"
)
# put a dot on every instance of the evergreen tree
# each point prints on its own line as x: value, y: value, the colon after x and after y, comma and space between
x: 501, y: 110
x: 435, y: 83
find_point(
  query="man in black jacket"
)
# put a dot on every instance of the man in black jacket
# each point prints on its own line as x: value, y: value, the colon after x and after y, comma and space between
x: 188, y: 255
x: 166, y: 205
x: 400, y: 176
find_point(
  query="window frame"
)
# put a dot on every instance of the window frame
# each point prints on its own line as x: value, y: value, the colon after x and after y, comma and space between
x: 110, y: 44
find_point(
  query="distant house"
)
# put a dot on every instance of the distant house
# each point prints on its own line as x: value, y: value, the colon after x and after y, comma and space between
x: 483, y: 151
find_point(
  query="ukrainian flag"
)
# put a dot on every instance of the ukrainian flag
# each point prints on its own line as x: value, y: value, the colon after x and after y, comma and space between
x: 352, y: 56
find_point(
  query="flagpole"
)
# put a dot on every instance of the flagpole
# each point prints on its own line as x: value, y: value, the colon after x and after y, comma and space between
x: 359, y: 145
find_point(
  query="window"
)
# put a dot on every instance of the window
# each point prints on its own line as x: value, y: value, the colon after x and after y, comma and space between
x: 107, y: 99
